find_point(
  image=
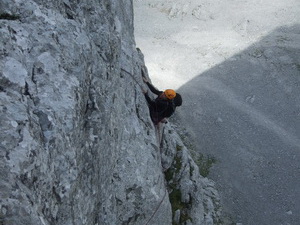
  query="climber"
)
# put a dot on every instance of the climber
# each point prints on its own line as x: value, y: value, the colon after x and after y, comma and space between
x: 164, y: 105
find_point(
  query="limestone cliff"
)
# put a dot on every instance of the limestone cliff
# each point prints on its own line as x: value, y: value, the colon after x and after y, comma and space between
x: 77, y: 144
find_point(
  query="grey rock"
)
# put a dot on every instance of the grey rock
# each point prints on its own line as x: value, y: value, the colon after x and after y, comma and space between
x: 77, y: 143
x: 192, y: 194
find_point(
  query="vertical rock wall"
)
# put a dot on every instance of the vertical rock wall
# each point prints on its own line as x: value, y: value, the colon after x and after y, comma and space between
x: 77, y: 145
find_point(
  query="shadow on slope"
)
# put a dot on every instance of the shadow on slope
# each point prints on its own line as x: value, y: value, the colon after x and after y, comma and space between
x: 245, y: 112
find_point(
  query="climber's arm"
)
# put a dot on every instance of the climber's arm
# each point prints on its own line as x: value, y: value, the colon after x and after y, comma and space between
x: 149, y: 101
x: 153, y: 89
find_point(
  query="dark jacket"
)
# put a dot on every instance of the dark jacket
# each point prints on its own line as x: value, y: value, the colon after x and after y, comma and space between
x: 159, y: 108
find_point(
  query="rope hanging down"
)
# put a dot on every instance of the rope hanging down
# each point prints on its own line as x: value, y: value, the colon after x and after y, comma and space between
x: 159, y: 142
x: 134, y: 79
x: 157, y: 208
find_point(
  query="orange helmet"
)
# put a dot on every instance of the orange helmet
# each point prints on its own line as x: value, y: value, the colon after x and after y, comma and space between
x: 170, y: 94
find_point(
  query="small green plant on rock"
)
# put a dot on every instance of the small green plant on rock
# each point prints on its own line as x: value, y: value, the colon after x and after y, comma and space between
x: 174, y: 191
x: 205, y: 163
x: 177, y: 204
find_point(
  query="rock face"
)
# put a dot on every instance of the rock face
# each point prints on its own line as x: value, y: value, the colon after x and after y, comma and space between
x: 77, y: 143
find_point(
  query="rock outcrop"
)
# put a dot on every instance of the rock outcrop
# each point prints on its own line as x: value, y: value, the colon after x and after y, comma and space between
x: 77, y: 143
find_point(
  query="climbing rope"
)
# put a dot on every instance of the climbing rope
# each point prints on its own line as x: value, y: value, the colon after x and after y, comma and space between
x: 157, y: 208
x: 159, y: 138
x: 159, y: 145
x: 133, y: 78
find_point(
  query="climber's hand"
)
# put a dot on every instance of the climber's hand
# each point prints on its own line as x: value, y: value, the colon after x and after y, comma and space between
x: 145, y: 79
x: 145, y: 91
